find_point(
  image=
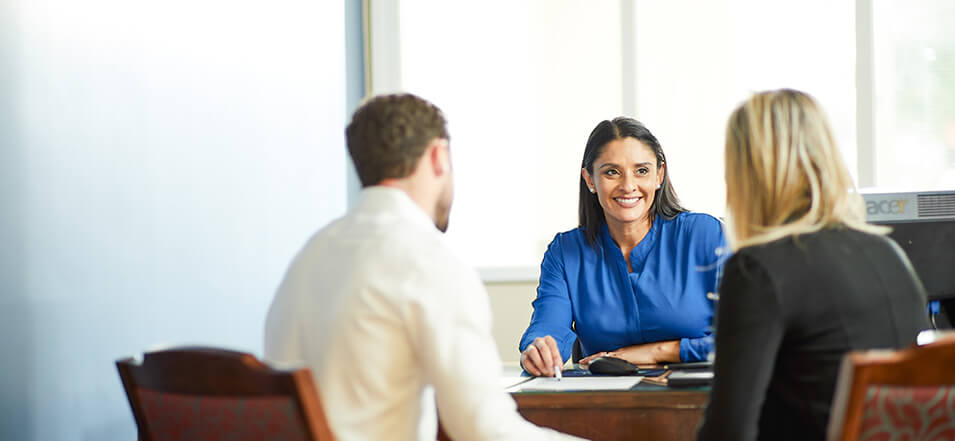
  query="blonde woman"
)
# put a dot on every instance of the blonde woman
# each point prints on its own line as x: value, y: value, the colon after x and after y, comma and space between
x: 809, y: 279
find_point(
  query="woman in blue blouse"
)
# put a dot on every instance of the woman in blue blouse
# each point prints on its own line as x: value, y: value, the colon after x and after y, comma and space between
x: 632, y: 280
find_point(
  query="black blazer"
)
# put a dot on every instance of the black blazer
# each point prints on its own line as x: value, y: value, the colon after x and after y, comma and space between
x: 788, y: 311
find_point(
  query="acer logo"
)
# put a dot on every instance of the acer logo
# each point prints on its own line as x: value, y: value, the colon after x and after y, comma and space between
x: 889, y: 206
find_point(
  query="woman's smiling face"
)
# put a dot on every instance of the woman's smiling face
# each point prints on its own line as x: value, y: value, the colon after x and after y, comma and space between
x: 625, y: 179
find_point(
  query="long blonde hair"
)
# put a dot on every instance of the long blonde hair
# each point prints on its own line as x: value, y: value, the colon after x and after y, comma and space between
x: 784, y: 173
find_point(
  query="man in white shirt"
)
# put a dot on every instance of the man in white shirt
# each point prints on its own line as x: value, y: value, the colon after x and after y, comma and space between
x: 388, y: 319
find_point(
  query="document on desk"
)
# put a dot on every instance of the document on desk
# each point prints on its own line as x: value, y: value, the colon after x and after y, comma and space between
x: 550, y: 384
x: 512, y: 384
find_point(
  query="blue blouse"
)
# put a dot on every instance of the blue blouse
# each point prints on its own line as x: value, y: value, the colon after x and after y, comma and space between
x: 675, y: 265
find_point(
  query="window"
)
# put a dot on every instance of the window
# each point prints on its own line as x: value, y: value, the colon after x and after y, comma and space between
x: 523, y: 83
x: 914, y: 84
x: 694, y: 68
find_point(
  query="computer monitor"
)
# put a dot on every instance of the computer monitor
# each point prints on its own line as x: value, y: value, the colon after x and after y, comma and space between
x: 923, y: 224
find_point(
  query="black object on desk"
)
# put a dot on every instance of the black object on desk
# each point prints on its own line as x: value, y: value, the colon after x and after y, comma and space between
x: 618, y: 367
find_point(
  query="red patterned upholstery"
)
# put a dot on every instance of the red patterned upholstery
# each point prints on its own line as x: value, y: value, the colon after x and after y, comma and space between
x: 215, y: 394
x: 904, y: 395
x: 177, y: 417
x: 899, y: 413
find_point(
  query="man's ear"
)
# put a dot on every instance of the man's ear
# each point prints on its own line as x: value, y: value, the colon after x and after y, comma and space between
x: 439, y: 156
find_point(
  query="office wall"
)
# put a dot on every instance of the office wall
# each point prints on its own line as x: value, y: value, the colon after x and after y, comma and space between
x: 511, y: 306
x: 160, y: 163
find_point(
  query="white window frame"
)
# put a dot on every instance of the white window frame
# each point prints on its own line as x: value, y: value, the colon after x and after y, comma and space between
x: 383, y: 67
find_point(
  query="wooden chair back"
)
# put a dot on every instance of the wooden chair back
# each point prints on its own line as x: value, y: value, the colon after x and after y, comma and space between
x: 201, y: 393
x: 886, y: 395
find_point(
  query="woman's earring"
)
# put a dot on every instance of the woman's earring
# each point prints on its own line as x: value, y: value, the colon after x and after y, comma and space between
x: 592, y: 190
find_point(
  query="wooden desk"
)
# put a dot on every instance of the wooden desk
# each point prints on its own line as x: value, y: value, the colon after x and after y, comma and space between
x: 646, y: 413
x: 649, y: 413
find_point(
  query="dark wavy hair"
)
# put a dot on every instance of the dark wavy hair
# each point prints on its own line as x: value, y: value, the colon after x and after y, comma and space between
x: 665, y: 203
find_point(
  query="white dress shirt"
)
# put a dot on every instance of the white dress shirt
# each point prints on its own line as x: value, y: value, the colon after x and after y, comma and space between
x: 382, y: 311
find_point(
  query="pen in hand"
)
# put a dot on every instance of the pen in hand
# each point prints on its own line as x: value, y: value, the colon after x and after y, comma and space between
x: 557, y: 372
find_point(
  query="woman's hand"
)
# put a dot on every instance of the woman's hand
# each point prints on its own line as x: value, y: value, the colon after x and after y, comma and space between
x: 541, y: 357
x: 647, y: 353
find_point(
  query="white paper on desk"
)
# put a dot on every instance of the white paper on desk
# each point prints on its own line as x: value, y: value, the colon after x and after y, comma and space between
x: 580, y: 383
x: 509, y: 383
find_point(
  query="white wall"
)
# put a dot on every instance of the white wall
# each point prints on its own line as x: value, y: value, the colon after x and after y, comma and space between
x: 511, y: 308
x: 160, y: 164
